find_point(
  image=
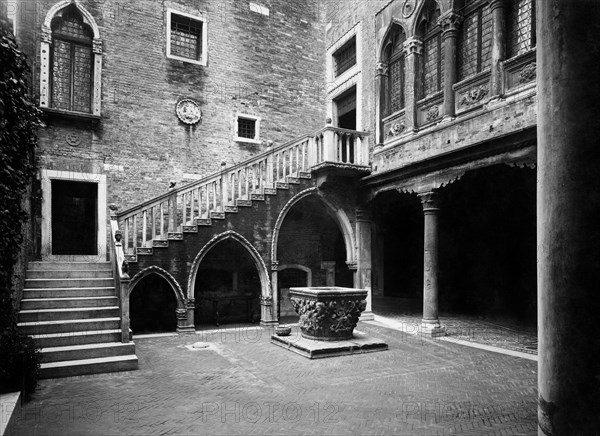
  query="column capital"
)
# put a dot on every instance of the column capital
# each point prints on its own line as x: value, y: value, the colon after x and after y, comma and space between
x: 413, y: 45
x: 429, y: 201
x: 381, y: 69
x: 495, y: 4
x: 449, y: 23
x: 363, y: 214
x: 181, y: 314
x: 274, y: 265
x: 190, y: 303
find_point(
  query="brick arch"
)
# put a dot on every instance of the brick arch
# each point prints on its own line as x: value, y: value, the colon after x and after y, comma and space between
x: 179, y: 295
x: 265, y: 281
x: 338, y: 215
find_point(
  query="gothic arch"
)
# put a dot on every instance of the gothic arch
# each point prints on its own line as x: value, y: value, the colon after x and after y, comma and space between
x: 165, y: 275
x: 265, y: 281
x: 87, y: 17
x: 384, y: 40
x: 419, y: 11
x: 337, y: 214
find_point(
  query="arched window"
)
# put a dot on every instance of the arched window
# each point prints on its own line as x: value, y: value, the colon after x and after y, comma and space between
x: 72, y: 62
x: 432, y: 61
x: 520, y: 26
x: 393, y: 54
x: 475, y: 40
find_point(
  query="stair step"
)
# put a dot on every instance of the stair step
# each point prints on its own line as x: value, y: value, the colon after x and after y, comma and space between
x: 65, y: 314
x: 282, y: 185
x: 293, y: 180
x: 45, y: 266
x: 99, y: 365
x: 270, y: 191
x: 217, y: 215
x: 85, y: 291
x: 47, y: 340
x: 86, y: 351
x: 68, y: 325
x: 160, y: 243
x: 59, y: 303
x: 190, y: 229
x: 203, y: 222
x: 231, y: 209
x: 175, y: 236
x: 243, y: 203
x: 257, y: 197
x: 69, y: 274
x: 68, y: 283
x: 144, y: 251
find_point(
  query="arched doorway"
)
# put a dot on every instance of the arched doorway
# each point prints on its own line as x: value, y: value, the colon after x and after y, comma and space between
x: 227, y: 286
x: 152, y: 305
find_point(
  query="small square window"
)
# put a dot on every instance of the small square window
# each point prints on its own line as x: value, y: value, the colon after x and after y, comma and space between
x: 186, y: 38
x: 247, y: 128
x: 345, y: 57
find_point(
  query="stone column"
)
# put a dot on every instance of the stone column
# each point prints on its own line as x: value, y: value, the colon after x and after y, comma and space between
x: 430, y: 325
x: 498, y: 46
x: 189, y: 326
x: 329, y: 267
x: 269, y: 304
x: 568, y: 210
x: 450, y: 22
x: 413, y: 48
x: 363, y: 262
x: 382, y: 108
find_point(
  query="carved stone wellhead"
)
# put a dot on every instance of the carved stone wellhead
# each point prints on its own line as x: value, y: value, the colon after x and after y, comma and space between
x: 328, y: 313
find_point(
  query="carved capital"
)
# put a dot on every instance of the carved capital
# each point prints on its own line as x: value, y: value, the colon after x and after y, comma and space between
x: 46, y: 35
x: 97, y: 46
x: 495, y: 4
x: 381, y: 69
x: 190, y: 303
x: 275, y: 265
x: 413, y: 46
x: 363, y: 214
x: 181, y: 314
x: 352, y: 265
x: 266, y: 301
x: 449, y: 23
x: 429, y: 201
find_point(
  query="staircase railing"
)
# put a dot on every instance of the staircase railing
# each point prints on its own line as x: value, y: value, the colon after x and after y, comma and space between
x: 121, y: 277
x: 155, y: 221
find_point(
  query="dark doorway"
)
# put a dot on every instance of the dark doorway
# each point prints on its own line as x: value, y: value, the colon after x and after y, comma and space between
x: 152, y: 306
x: 74, y: 217
x: 346, y: 110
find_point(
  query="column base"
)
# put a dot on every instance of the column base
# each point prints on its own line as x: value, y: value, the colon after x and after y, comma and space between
x: 447, y: 119
x: 269, y: 323
x: 186, y: 329
x: 366, y: 316
x: 432, y: 328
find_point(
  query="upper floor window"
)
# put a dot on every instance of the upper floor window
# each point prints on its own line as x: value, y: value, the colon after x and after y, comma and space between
x: 247, y: 128
x: 432, y: 60
x: 345, y: 57
x: 475, y: 41
x: 72, y: 62
x: 520, y: 26
x: 186, y: 38
x: 394, y: 57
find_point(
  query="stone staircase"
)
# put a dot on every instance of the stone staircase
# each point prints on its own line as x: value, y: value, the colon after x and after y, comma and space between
x: 71, y: 310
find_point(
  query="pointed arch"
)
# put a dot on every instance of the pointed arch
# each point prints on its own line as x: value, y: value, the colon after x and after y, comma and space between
x: 87, y: 17
x: 265, y: 281
x: 394, y: 23
x: 336, y: 213
x: 179, y: 295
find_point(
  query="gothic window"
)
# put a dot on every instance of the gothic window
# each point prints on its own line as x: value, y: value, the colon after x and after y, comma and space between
x: 475, y: 40
x: 345, y: 57
x: 520, y: 26
x: 394, y: 57
x: 186, y: 38
x: 432, y: 60
x: 72, y: 62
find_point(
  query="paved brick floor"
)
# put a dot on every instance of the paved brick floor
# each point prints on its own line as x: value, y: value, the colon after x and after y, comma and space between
x: 242, y: 384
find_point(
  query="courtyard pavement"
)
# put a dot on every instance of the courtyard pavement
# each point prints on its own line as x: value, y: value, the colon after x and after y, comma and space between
x: 243, y: 384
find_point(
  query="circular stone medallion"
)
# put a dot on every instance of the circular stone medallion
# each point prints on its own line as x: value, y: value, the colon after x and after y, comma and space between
x: 188, y: 111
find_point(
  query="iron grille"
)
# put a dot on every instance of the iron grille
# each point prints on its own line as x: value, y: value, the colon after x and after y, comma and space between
x: 345, y: 57
x: 433, y: 65
x: 71, y: 63
x: 475, y: 43
x: 246, y: 128
x: 396, y: 72
x: 186, y: 37
x: 520, y: 27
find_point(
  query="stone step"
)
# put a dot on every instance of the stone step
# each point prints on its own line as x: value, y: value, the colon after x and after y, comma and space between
x: 69, y: 325
x: 71, y: 313
x: 99, y: 365
x: 69, y: 274
x: 63, y: 339
x: 86, y: 351
x: 104, y: 291
x: 51, y: 265
x: 68, y: 283
x: 59, y: 303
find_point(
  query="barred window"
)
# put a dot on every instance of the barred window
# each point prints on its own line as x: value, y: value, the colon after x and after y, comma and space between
x: 394, y: 56
x: 475, y: 42
x: 520, y: 25
x: 186, y: 37
x: 432, y: 60
x: 71, y: 79
x: 247, y: 128
x: 345, y: 57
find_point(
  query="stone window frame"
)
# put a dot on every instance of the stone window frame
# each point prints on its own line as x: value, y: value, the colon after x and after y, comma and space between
x: 388, y: 58
x: 432, y: 34
x: 256, y: 119
x: 481, y: 11
x: 203, y: 61
x: 45, y: 60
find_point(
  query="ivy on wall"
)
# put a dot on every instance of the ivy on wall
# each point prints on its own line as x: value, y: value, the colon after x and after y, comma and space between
x: 19, y: 118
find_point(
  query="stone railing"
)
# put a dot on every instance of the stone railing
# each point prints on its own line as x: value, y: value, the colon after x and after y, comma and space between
x: 168, y: 216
